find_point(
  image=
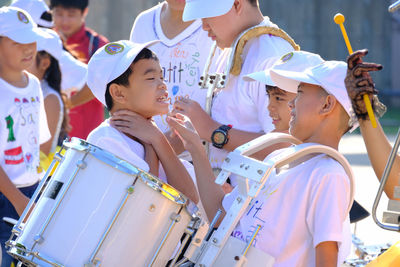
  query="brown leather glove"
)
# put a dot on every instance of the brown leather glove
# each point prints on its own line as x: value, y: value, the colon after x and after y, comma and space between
x: 358, y: 82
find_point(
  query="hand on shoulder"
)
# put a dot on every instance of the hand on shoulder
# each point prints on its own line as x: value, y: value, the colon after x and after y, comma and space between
x: 137, y: 126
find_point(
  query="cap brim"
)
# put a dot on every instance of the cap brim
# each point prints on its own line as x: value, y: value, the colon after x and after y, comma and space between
x: 289, y: 80
x: 27, y: 36
x: 128, y: 59
x: 261, y: 77
x: 45, y: 23
x: 198, y: 9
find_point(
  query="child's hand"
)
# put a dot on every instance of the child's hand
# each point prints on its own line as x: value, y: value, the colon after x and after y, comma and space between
x: 184, y: 129
x: 135, y: 125
x: 198, y: 117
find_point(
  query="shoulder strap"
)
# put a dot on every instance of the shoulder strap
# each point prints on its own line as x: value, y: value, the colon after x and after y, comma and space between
x: 94, y: 41
x: 255, y: 32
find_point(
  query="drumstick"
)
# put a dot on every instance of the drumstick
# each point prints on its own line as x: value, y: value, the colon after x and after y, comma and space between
x: 339, y: 19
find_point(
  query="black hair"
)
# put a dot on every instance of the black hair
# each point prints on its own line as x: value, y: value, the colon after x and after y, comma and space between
x: 53, y: 72
x: 123, y: 79
x: 81, y: 4
x: 270, y: 88
x: 46, y: 16
x: 53, y: 78
x: 253, y: 2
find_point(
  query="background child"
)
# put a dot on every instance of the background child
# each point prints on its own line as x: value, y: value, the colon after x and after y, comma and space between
x: 23, y: 123
x: 69, y: 21
x: 46, y: 68
x: 278, y: 107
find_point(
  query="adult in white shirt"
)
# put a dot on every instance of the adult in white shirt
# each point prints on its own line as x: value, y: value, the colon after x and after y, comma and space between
x: 240, y: 104
x: 183, y: 50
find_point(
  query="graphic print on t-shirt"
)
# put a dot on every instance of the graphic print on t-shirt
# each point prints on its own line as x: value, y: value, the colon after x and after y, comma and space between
x: 23, y: 118
x: 14, y: 156
x: 10, y: 127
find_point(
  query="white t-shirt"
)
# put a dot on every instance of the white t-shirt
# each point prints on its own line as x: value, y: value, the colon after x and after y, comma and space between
x: 23, y: 129
x: 244, y: 104
x: 47, y: 90
x: 299, y: 208
x: 182, y: 58
x: 117, y: 143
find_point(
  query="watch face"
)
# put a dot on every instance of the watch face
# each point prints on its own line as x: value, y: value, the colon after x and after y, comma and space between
x: 219, y: 138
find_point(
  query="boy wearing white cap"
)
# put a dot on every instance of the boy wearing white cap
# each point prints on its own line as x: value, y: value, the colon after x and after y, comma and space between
x: 24, y: 125
x: 240, y: 104
x: 183, y: 50
x: 303, y: 210
x: 127, y: 78
x: 279, y: 98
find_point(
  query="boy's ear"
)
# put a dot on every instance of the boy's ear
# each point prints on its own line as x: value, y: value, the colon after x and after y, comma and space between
x: 85, y: 12
x: 328, y: 105
x: 44, y: 63
x: 117, y: 93
x: 238, y: 5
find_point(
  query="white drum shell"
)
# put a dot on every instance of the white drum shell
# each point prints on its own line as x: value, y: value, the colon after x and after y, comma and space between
x: 87, y: 210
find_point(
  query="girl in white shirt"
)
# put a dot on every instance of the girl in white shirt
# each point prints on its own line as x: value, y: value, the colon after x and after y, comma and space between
x: 47, y: 70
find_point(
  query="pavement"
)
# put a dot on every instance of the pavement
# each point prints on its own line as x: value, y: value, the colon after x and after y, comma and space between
x: 353, y: 148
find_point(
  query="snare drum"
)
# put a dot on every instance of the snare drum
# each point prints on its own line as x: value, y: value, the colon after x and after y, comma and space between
x: 98, y: 210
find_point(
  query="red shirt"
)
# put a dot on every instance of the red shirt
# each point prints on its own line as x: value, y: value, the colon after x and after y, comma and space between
x: 86, y: 117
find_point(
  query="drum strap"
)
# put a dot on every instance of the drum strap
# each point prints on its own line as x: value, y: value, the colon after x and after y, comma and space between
x: 254, y: 33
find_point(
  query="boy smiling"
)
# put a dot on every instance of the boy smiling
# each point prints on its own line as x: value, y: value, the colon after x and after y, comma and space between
x: 127, y: 78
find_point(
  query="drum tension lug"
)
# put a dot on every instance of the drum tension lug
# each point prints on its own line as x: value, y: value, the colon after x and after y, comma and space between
x: 81, y: 164
x: 175, y: 217
x: 39, y: 239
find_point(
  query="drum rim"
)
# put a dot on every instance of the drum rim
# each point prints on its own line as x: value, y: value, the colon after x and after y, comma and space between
x: 122, y: 165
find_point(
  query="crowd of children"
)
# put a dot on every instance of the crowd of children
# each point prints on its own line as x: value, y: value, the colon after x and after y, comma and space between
x: 149, y: 85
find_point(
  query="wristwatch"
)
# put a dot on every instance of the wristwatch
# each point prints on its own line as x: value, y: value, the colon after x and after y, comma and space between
x: 220, y: 136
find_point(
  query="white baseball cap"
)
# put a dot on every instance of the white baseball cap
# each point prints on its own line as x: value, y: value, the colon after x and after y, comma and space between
x: 109, y: 62
x: 198, y: 9
x: 35, y: 8
x: 292, y: 61
x: 18, y: 25
x: 329, y: 75
x: 74, y: 72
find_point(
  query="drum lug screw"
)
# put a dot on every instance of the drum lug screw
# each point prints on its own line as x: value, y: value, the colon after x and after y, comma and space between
x: 242, y: 165
x: 260, y: 172
x: 81, y: 164
x: 215, y: 241
x: 38, y: 239
x: 239, y: 199
x: 228, y: 160
x: 247, y: 167
x: 175, y: 217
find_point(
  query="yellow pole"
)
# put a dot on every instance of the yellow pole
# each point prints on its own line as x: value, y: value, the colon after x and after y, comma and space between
x: 339, y: 19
